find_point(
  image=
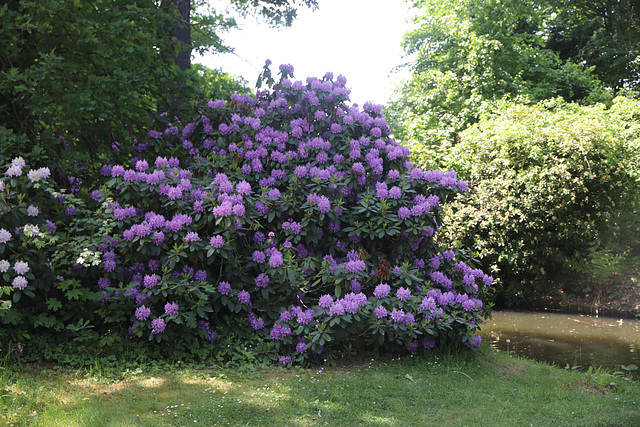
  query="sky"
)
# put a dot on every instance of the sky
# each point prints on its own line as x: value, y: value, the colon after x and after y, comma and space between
x: 360, y: 39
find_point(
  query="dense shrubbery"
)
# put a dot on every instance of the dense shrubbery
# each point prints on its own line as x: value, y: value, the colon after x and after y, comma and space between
x: 289, y: 222
x: 554, y: 193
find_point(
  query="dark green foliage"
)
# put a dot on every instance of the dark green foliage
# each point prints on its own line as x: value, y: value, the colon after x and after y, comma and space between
x: 604, y: 34
x: 554, y: 192
x: 79, y: 78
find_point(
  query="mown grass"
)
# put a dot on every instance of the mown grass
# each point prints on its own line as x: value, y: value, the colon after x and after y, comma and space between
x: 491, y: 389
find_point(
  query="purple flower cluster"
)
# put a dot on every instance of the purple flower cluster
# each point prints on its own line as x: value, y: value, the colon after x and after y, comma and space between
x: 224, y: 288
x: 217, y: 242
x: 350, y: 303
x: 262, y: 281
x: 171, y: 309
x: 382, y: 291
x: 355, y: 266
x: 205, y: 327
x: 278, y: 332
x: 142, y: 313
x: 108, y: 261
x: 157, y: 326
x: 244, y: 298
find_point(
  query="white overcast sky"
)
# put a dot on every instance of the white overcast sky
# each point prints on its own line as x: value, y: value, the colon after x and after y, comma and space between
x: 359, y: 39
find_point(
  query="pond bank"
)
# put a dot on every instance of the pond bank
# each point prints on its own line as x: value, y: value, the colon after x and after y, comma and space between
x: 619, y: 297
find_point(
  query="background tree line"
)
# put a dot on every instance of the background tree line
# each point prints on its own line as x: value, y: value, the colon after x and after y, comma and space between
x: 536, y: 103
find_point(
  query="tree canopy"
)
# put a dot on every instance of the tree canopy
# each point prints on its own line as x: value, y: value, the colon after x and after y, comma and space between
x: 470, y: 51
x: 77, y: 77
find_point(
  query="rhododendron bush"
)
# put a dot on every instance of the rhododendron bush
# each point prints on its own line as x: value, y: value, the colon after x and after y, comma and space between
x: 289, y: 221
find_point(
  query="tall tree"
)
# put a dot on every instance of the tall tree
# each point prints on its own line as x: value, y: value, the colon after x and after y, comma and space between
x: 78, y: 77
x: 601, y: 33
x: 470, y: 52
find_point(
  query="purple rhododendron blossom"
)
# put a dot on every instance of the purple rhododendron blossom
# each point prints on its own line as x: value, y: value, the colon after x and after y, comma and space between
x: 403, y: 294
x: 157, y: 326
x: 404, y: 212
x: 278, y: 332
x: 171, y: 309
x: 142, y: 313
x: 224, y: 288
x: 325, y: 301
x: 217, y: 242
x: 285, y: 359
x: 382, y: 291
x: 150, y: 281
x: 428, y: 343
x: 258, y: 256
x: 275, y: 259
x: 408, y: 319
x: 285, y: 316
x: 305, y: 317
x: 324, y: 205
x: 449, y: 255
x: 446, y: 298
x: 397, y: 315
x: 380, y: 312
x: 337, y: 309
x: 355, y: 266
x: 192, y: 236
x: 301, y: 347
x: 244, y: 297
x: 262, y: 281
x: 428, y: 303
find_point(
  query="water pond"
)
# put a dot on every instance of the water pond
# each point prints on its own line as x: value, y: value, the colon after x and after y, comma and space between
x: 565, y: 339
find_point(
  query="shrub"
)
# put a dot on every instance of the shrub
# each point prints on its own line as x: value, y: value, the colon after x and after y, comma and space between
x: 288, y: 221
x: 554, y: 188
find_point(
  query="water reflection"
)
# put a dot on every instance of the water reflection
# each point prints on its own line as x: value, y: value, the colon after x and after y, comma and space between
x: 565, y: 339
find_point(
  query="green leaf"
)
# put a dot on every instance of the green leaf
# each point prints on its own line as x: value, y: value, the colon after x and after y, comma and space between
x: 74, y: 294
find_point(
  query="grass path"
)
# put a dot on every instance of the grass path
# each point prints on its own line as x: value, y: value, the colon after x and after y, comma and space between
x: 493, y: 390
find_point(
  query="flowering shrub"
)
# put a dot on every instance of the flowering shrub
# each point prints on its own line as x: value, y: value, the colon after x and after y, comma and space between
x: 555, y: 195
x: 289, y: 219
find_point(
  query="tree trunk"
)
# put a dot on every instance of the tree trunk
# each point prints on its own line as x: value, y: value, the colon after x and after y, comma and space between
x: 182, y: 32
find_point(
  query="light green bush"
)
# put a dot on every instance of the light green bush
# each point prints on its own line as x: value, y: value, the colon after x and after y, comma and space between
x: 553, y: 191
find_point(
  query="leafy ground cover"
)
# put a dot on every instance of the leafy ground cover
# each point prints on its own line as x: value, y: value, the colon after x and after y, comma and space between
x: 454, y: 389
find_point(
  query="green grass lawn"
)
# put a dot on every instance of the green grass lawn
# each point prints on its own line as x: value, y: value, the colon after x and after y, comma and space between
x: 492, y: 389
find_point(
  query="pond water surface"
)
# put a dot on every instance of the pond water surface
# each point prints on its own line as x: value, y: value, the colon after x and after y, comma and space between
x: 565, y: 339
